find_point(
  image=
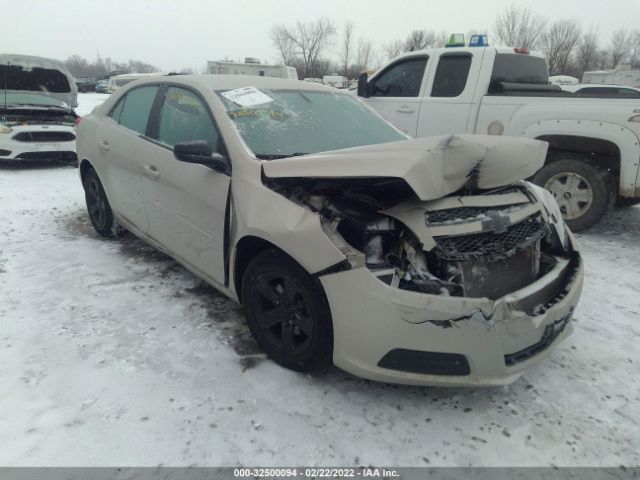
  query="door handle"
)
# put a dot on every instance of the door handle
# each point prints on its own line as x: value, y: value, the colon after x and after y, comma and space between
x: 104, y: 146
x: 151, y: 171
x: 406, y: 109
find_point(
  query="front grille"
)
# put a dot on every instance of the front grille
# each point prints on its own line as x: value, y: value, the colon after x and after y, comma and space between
x: 40, y: 136
x: 491, y: 246
x: 453, y: 215
x: 494, y: 279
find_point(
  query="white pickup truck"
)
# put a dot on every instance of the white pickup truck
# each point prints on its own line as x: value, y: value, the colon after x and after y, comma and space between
x: 593, y: 154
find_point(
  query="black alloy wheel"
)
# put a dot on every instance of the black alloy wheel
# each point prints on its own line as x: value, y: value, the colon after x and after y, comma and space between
x: 98, y: 206
x: 287, y: 312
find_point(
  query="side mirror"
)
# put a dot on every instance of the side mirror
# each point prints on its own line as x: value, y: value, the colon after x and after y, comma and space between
x: 199, y: 151
x: 363, y: 86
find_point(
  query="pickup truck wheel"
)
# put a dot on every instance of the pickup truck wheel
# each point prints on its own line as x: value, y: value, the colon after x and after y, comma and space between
x: 583, y: 192
x: 98, y: 206
x: 287, y: 312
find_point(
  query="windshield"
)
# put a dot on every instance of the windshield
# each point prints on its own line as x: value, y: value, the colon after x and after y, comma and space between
x: 519, y: 68
x: 297, y: 122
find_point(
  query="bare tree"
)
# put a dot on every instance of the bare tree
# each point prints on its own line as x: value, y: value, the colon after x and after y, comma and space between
x: 635, y: 49
x: 517, y: 26
x: 619, y: 48
x: 78, y: 66
x: 138, y: 66
x: 311, y: 40
x: 282, y: 41
x: 588, y: 52
x: 441, y: 39
x: 559, y: 42
x: 364, y: 55
x: 419, y: 39
x: 392, y: 49
x: 347, y: 46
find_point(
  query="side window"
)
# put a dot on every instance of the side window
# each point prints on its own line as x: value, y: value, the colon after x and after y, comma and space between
x: 115, y: 112
x: 401, y: 80
x: 628, y: 92
x: 184, y: 118
x: 451, y: 75
x: 136, y: 105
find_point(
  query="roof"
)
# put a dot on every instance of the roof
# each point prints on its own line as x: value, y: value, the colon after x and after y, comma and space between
x: 137, y: 75
x: 230, y: 82
x: 439, y: 51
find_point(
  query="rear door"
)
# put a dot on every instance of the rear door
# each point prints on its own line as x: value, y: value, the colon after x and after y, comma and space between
x: 119, y: 137
x: 448, y: 102
x: 186, y: 202
x: 395, y: 92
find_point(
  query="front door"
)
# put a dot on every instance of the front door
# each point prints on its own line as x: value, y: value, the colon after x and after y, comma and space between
x: 395, y: 93
x: 186, y: 202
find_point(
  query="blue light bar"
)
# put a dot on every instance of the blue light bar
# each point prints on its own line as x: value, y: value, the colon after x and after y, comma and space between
x: 479, y: 41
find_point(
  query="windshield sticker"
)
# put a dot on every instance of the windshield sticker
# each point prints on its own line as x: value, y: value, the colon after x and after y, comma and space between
x: 258, y: 113
x: 247, y: 96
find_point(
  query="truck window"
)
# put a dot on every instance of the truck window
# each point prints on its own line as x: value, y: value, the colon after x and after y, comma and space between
x: 451, y: 75
x: 519, y: 68
x: 402, y: 79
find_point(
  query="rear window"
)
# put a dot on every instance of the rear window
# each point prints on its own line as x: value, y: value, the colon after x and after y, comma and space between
x: 451, y: 75
x: 519, y: 68
x: 132, y: 111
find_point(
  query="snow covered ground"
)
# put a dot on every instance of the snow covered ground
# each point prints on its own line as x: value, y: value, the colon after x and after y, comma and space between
x: 112, y: 354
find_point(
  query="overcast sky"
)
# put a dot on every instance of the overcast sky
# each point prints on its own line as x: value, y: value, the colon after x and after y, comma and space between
x: 186, y: 33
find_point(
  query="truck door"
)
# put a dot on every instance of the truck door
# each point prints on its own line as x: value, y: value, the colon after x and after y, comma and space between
x: 395, y: 92
x: 449, y: 98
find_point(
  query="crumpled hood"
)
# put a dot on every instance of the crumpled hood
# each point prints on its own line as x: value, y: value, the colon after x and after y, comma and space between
x: 433, y: 166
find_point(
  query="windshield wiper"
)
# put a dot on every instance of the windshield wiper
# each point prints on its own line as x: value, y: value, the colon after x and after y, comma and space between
x: 275, y: 156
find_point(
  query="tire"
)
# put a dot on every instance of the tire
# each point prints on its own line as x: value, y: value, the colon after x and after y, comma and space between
x: 583, y: 192
x: 287, y: 312
x: 98, y: 206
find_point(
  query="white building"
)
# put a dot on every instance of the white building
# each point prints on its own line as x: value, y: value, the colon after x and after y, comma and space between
x: 251, y: 66
x: 622, y: 75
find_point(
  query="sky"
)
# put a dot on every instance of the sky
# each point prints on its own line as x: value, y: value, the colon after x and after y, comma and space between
x: 174, y: 34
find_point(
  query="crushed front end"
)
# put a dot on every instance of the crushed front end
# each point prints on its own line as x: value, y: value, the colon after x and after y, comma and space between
x: 456, y: 271
x: 469, y: 289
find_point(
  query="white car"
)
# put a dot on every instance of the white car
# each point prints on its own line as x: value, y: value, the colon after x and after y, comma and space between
x: 37, y: 121
x: 610, y: 91
x: 36, y: 127
x: 424, y: 261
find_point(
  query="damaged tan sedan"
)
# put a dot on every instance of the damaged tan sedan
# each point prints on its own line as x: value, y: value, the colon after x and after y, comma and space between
x: 426, y: 261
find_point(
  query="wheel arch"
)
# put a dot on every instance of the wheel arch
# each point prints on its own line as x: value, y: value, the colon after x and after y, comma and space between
x: 246, y: 249
x: 84, y: 167
x: 609, y: 145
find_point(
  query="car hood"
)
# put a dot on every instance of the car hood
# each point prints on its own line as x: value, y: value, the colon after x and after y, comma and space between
x: 14, y: 99
x: 26, y: 74
x: 433, y: 167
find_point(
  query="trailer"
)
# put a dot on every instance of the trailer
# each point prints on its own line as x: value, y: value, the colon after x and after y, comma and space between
x: 622, y: 75
x: 251, y: 66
